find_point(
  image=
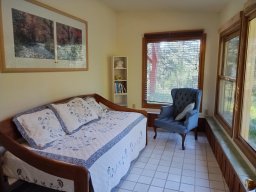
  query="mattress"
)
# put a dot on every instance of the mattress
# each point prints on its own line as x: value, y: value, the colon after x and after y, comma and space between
x: 105, y: 147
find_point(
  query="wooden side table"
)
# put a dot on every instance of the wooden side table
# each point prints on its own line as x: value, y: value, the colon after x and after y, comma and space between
x: 152, y: 115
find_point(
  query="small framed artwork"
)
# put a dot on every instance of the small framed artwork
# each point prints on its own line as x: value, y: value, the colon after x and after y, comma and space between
x: 37, y: 37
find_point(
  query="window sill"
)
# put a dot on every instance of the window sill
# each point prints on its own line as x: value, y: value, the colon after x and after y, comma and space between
x: 241, y: 166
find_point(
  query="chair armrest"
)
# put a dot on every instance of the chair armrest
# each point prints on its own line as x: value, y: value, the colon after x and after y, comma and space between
x: 191, y: 121
x: 166, y: 111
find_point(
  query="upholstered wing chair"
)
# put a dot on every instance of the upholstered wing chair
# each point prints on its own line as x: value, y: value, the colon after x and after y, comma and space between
x: 182, y: 115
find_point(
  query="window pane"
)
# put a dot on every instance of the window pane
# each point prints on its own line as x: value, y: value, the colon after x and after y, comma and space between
x: 231, y: 54
x: 226, y: 100
x: 171, y: 65
x: 248, y: 128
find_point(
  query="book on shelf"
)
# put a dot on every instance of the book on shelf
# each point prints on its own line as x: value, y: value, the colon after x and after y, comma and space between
x: 120, y: 88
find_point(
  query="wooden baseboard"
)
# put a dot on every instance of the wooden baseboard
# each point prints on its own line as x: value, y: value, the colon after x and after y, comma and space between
x: 232, y: 179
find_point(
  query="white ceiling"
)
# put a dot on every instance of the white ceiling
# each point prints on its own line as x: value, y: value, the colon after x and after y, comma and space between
x: 178, y: 5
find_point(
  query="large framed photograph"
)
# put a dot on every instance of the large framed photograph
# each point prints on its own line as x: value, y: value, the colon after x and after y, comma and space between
x: 37, y: 37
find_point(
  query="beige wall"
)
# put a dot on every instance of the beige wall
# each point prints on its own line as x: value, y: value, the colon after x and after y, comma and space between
x: 21, y: 91
x: 132, y: 26
x: 231, y: 9
x: 109, y: 32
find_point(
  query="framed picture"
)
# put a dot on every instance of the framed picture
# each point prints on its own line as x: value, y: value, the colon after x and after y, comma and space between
x: 37, y: 37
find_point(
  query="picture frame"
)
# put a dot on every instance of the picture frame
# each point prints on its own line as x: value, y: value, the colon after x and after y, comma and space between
x: 36, y: 37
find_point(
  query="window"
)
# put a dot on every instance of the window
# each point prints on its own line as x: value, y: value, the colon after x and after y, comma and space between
x: 236, y: 82
x: 248, y: 130
x: 226, y: 80
x: 171, y: 60
x: 245, y: 134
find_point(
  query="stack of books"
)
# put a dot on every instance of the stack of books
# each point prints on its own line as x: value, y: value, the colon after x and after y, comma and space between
x: 119, y: 88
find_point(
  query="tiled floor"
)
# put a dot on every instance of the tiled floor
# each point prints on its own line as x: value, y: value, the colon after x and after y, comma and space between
x: 164, y: 167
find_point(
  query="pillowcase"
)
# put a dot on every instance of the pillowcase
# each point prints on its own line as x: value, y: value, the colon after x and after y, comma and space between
x: 73, y: 114
x: 104, y: 107
x: 94, y: 105
x: 39, y: 127
x: 188, y: 108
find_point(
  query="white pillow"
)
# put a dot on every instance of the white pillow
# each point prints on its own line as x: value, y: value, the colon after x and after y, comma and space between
x: 187, y: 109
x: 104, y: 107
x: 39, y: 128
x: 74, y: 114
x: 95, y: 106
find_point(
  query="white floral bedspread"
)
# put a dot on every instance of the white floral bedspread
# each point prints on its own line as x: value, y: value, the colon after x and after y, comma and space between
x: 87, y: 146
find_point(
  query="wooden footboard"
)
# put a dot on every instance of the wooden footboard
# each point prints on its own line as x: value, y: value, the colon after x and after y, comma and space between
x: 78, y: 174
x: 9, y: 137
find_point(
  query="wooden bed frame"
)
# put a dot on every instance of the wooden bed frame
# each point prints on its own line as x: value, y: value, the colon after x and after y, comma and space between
x: 9, y: 137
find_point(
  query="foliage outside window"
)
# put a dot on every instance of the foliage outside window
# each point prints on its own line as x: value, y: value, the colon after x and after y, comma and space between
x: 171, y: 60
x: 236, y: 82
x: 248, y: 128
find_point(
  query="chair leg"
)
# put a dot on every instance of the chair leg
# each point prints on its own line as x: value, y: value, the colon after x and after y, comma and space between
x: 183, y: 140
x: 196, y: 133
x: 155, y: 132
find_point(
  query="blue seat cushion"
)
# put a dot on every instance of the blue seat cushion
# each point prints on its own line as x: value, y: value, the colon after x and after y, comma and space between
x: 171, y: 125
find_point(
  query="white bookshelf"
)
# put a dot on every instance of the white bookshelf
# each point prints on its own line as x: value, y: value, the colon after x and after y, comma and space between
x: 119, y: 80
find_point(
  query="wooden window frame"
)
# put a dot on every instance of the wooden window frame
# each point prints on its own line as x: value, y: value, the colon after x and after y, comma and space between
x: 171, y: 36
x: 241, y: 21
x: 226, y: 34
x: 248, y: 14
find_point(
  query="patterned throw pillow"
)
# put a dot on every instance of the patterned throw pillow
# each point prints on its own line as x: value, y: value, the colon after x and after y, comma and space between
x: 74, y: 114
x: 95, y: 106
x: 39, y: 127
x: 187, y: 109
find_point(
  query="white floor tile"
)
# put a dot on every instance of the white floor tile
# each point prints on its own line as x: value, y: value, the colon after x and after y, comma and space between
x: 161, y: 175
x: 137, y: 171
x: 151, y: 166
x: 169, y: 190
x: 173, y: 177
x: 188, y: 180
x: 201, y: 175
x: 189, y: 166
x: 155, y: 189
x: 144, y: 179
x: 132, y: 177
x: 129, y: 185
x: 139, y: 187
x: 187, y: 172
x: 186, y: 187
x: 122, y: 190
x: 164, y: 167
x: 176, y: 171
x: 149, y: 173
x: 202, y: 182
x: 164, y: 163
x: 202, y: 189
x: 172, y: 185
x: 140, y: 165
x: 158, y: 182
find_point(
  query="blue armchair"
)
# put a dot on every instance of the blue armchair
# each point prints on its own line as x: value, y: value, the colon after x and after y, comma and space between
x: 182, y: 115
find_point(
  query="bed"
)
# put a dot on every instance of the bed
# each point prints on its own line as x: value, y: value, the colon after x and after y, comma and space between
x: 94, y: 158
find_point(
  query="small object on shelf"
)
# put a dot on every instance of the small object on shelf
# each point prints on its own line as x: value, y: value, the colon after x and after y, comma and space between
x: 119, y: 80
x: 119, y: 64
x: 118, y: 77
